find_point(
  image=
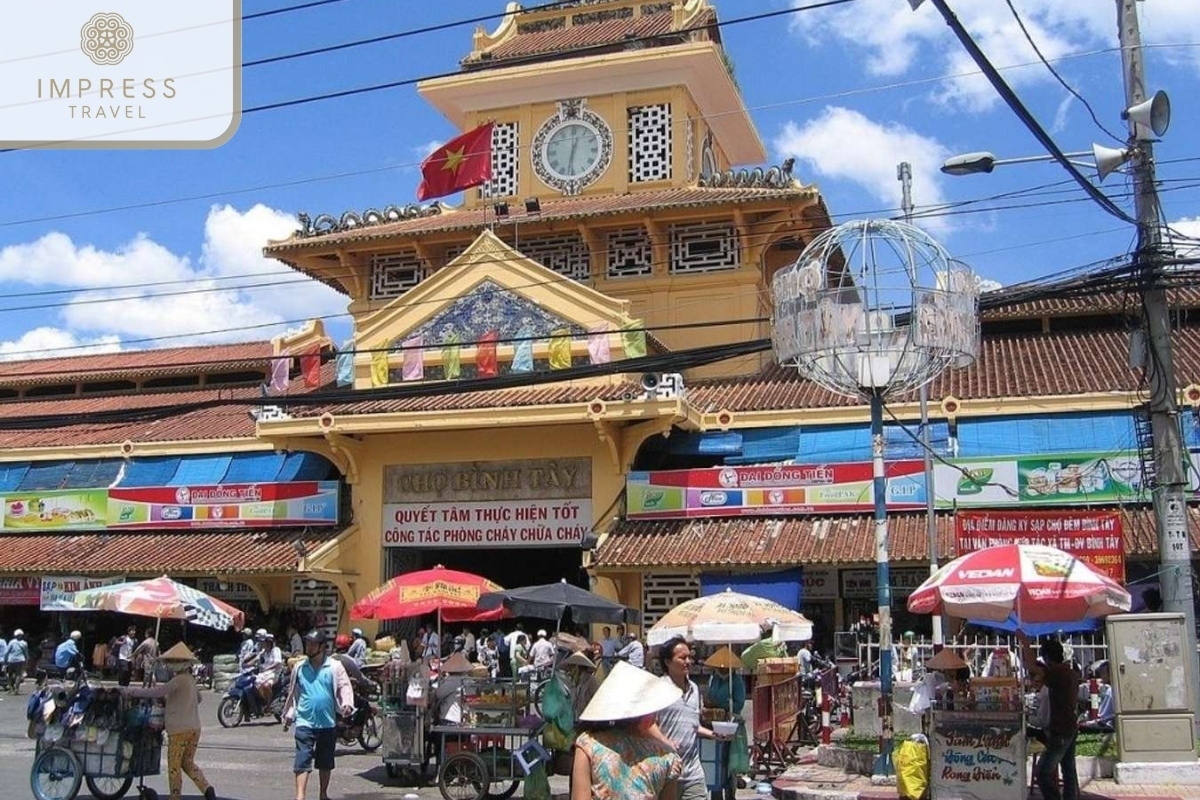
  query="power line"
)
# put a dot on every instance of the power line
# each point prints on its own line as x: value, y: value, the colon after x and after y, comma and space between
x: 287, y: 10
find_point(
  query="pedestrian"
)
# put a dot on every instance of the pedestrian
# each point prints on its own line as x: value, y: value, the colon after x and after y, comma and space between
x: 634, y: 652
x: 145, y: 656
x: 618, y: 754
x: 542, y: 652
x: 319, y: 692
x: 295, y: 642
x: 609, y: 646
x: 680, y: 721
x: 1062, y: 727
x: 182, y: 720
x: 519, y: 656
x: 358, y: 647
x: 16, y: 660
x: 469, y: 644
x: 125, y: 647
x: 67, y: 654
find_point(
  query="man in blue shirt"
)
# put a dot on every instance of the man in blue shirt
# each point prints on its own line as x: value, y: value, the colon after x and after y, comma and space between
x: 67, y: 654
x: 320, y: 691
x: 358, y: 648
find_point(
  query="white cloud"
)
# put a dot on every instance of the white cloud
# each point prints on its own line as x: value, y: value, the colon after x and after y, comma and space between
x: 190, y: 298
x: 1187, y: 248
x: 47, y: 341
x: 892, y: 40
x: 842, y: 144
x: 423, y: 151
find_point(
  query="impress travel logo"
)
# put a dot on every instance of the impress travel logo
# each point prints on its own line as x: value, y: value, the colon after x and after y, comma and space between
x: 128, y: 74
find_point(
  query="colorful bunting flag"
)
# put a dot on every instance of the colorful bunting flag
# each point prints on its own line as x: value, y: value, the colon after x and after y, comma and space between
x: 345, y: 364
x: 560, y: 348
x: 486, y: 364
x: 379, y: 366
x: 414, y: 358
x: 452, y: 357
x: 310, y: 366
x: 633, y: 338
x: 523, y: 351
x: 279, y: 372
x: 598, y: 347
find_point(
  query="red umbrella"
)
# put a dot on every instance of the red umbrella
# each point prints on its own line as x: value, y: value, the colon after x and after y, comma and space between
x: 450, y: 594
x: 1034, y: 583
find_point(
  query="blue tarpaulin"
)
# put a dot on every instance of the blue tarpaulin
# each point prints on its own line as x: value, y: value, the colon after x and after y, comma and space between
x: 782, y: 587
x: 1060, y: 433
x: 149, y: 471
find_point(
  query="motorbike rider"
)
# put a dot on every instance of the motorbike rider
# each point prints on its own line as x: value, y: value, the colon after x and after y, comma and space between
x: 67, y: 654
x: 248, y: 649
x: 270, y: 665
x: 343, y: 647
x: 358, y: 647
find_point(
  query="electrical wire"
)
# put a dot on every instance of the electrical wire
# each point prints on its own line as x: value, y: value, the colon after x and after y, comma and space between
x: 274, y: 12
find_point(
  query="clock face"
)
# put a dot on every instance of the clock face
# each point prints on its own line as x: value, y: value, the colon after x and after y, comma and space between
x: 572, y: 150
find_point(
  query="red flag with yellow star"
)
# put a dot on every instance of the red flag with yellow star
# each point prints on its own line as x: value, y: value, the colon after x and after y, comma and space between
x: 458, y: 164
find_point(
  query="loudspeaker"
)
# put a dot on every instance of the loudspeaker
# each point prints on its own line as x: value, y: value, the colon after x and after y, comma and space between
x: 650, y: 381
x: 1154, y: 113
x: 1108, y: 159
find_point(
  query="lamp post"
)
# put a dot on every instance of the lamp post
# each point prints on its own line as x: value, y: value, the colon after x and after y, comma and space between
x: 874, y: 309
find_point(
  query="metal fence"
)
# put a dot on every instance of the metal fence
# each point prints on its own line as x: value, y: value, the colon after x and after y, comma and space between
x: 1083, y: 648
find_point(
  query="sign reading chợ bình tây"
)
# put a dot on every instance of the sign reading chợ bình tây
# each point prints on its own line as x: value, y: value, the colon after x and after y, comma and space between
x: 974, y: 756
x: 526, y: 503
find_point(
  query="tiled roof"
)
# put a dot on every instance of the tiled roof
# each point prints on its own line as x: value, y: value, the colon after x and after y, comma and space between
x: 593, y: 35
x: 787, y: 541
x: 160, y: 552
x: 552, y: 210
x: 1093, y: 304
x: 1009, y: 365
x: 248, y: 356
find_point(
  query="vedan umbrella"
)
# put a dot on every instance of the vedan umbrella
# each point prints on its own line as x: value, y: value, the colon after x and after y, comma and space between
x: 729, y: 617
x: 1032, y: 583
x: 553, y: 600
x: 161, y: 598
x: 449, y: 593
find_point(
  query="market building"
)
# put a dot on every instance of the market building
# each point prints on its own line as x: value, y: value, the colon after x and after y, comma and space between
x: 482, y: 416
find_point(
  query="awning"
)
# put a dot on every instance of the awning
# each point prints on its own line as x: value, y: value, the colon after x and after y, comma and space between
x: 777, y: 542
x: 174, y: 552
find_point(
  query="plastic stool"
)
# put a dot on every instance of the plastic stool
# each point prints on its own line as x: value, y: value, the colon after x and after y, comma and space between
x: 531, y: 755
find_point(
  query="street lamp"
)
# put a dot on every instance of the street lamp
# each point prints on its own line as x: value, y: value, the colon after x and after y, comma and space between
x: 1106, y: 161
x: 874, y: 309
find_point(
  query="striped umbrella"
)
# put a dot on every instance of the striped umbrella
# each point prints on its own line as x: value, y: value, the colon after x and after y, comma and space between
x: 161, y: 598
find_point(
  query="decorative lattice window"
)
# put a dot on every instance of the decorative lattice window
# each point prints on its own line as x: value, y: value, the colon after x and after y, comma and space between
x: 650, y: 143
x: 629, y: 253
x: 318, y: 600
x: 567, y: 255
x: 690, y: 149
x: 663, y: 591
x: 704, y: 247
x: 505, y: 148
x: 453, y: 252
x: 393, y: 274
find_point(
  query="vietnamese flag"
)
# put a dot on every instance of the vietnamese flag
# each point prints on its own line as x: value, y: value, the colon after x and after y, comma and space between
x: 458, y: 164
x: 485, y: 356
x: 310, y: 366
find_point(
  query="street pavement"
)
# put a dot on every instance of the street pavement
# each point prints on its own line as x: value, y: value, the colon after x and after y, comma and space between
x: 251, y: 762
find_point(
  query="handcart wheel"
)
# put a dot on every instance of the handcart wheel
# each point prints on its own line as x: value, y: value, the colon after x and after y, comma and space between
x: 463, y: 776
x: 56, y: 775
x: 148, y: 794
x: 107, y: 787
x: 393, y: 771
x: 504, y: 794
x: 371, y: 736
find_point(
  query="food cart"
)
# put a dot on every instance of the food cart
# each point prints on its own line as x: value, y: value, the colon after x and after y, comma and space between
x: 405, y: 723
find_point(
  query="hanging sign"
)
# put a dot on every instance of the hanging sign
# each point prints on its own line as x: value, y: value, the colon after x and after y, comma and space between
x: 22, y: 590
x: 63, y: 509
x: 58, y: 591
x: 859, y: 584
x: 1094, y: 537
x: 974, y: 757
x: 232, y: 591
x: 259, y: 505
x: 819, y: 584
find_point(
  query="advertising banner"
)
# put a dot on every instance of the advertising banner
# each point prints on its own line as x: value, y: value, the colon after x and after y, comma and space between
x: 230, y: 591
x: 58, y: 591
x: 979, y: 759
x: 819, y: 584
x: 259, y: 505
x: 1061, y: 479
x: 752, y: 491
x: 62, y: 509
x: 525, y: 523
x: 1094, y: 537
x: 25, y: 590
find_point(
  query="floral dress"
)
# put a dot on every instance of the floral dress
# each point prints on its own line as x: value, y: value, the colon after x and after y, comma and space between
x: 628, y: 765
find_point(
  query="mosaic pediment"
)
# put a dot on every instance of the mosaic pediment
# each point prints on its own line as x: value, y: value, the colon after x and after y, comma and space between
x: 491, y: 307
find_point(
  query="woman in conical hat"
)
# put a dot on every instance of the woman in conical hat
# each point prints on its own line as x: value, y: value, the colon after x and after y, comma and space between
x: 617, y: 753
x: 182, y: 720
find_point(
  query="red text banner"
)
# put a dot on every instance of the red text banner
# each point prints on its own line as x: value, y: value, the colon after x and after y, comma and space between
x: 515, y: 523
x: 1094, y: 537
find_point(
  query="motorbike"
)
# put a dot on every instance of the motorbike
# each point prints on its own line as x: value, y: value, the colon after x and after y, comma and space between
x: 235, y: 707
x: 363, y: 726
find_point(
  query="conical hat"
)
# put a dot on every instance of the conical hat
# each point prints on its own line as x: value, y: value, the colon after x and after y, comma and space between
x: 629, y: 693
x: 178, y: 652
x: 946, y: 661
x: 456, y: 664
x: 578, y: 660
x: 724, y: 658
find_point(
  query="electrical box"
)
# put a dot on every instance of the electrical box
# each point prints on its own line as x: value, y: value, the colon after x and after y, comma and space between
x: 1153, y: 688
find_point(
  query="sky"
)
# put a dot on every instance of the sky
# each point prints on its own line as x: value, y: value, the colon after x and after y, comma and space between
x: 107, y: 250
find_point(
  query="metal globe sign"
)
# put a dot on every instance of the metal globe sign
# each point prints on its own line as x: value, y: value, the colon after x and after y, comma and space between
x: 875, y: 307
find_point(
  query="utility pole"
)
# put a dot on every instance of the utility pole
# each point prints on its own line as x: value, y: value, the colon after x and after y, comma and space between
x: 1170, y: 506
x: 904, y: 175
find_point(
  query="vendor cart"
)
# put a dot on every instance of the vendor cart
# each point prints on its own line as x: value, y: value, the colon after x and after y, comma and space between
x: 977, y: 741
x: 98, y: 737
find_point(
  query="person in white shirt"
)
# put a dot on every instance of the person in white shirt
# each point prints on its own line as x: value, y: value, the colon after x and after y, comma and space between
x: 295, y: 643
x: 358, y: 648
x: 804, y: 658
x: 431, y: 646
x: 633, y: 652
x: 542, y: 652
x: 125, y: 656
x: 270, y: 665
x: 469, y: 644
x: 608, y: 645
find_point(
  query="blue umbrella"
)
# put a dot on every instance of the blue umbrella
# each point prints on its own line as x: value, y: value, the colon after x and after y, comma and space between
x: 1012, y: 625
